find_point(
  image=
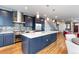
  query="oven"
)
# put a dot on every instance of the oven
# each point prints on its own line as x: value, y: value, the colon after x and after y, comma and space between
x: 17, y: 36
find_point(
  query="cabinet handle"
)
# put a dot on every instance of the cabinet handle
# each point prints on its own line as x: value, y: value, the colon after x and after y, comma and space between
x: 46, y: 39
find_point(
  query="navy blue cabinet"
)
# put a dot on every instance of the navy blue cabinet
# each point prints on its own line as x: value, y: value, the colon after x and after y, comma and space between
x: 6, y: 18
x: 33, y: 45
x: 28, y: 21
x: 1, y: 40
x: 8, y: 39
x: 52, y: 38
x: 25, y: 44
x: 1, y: 18
x: 45, y: 40
x: 36, y: 44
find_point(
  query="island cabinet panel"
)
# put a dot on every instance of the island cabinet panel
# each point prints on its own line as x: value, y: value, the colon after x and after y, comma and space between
x: 25, y: 45
x: 33, y: 45
x: 52, y: 38
x: 45, y: 40
x: 1, y: 40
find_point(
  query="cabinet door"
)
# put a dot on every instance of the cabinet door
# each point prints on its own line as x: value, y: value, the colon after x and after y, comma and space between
x: 45, y: 40
x: 35, y: 45
x: 8, y: 18
x: 52, y: 38
x: 1, y: 18
x: 28, y: 21
x: 1, y: 40
x: 8, y: 39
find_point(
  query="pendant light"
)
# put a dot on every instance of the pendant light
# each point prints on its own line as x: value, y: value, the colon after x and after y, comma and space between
x: 37, y: 15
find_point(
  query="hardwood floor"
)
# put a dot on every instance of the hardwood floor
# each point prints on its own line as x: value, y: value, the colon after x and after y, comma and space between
x: 58, y: 47
x: 11, y: 49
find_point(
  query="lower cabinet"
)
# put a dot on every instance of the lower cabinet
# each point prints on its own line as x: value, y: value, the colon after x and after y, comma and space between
x: 1, y: 40
x: 6, y: 39
x: 33, y: 45
x: 52, y: 38
x: 45, y: 40
x: 36, y: 44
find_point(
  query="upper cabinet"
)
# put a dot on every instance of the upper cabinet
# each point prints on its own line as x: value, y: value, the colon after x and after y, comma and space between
x: 40, y: 20
x: 28, y: 21
x: 1, y: 18
x: 6, y: 18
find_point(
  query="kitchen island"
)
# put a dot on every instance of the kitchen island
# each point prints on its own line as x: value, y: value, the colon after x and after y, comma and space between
x: 36, y: 41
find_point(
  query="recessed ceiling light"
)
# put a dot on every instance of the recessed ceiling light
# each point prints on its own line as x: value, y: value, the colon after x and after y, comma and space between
x: 47, y: 18
x: 26, y: 8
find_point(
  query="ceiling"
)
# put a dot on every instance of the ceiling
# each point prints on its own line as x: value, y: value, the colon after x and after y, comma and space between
x: 63, y: 12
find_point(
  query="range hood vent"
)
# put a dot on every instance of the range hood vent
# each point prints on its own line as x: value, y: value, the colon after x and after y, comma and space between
x: 18, y: 17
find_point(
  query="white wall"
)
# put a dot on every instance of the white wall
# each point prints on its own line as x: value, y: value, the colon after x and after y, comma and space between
x: 62, y: 26
x: 72, y: 27
x: 47, y: 27
x: 50, y: 26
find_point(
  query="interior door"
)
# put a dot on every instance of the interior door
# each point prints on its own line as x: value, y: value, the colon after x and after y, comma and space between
x: 75, y: 28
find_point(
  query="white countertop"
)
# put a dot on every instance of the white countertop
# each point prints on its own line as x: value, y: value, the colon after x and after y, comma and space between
x: 38, y: 34
x: 6, y: 32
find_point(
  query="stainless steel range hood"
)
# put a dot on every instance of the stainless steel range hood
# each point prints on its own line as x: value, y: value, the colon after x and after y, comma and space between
x: 18, y: 17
